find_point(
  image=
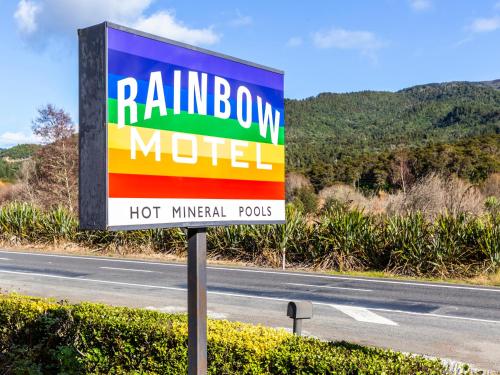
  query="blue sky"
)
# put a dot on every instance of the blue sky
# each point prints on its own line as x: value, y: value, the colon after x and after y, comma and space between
x: 328, y: 45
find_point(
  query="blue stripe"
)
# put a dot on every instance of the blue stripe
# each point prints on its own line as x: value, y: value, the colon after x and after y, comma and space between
x: 142, y: 90
x: 191, y: 59
x: 124, y: 64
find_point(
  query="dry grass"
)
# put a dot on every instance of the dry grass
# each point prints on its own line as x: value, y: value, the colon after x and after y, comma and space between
x: 350, y: 197
x: 11, y: 192
x: 295, y: 182
x: 344, y: 194
x: 491, y: 186
x: 435, y: 194
x: 432, y: 195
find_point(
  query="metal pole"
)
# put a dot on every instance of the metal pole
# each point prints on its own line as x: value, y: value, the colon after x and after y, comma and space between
x: 297, y: 326
x: 197, y: 301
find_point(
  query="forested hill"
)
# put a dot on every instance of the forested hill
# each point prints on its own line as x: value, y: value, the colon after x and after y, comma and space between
x: 337, y: 137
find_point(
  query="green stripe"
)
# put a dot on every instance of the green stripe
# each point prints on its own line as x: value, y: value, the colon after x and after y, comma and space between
x: 195, y: 124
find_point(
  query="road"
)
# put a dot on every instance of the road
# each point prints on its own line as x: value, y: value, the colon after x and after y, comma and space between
x: 458, y: 322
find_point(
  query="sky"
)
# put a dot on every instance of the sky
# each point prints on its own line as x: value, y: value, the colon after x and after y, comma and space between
x: 322, y: 45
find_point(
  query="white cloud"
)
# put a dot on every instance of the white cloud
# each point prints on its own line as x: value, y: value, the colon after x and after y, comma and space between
x: 420, y: 5
x: 164, y: 24
x: 39, y: 21
x: 9, y: 139
x: 25, y: 16
x: 294, y: 41
x: 364, y: 41
x: 240, y: 20
x: 483, y: 25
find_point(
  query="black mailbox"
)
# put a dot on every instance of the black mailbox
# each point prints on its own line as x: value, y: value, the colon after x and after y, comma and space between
x: 299, y: 310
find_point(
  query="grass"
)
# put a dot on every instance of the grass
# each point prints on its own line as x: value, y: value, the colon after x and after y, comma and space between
x: 480, y: 280
x: 446, y: 248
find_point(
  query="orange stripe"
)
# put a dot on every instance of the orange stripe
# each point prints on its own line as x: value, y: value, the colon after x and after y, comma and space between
x: 145, y: 186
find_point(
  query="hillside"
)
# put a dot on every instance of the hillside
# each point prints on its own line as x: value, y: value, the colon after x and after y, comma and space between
x: 11, y: 160
x: 338, y: 137
x: 22, y: 151
x: 494, y: 84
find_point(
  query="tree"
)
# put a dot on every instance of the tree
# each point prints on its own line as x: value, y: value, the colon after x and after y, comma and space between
x: 400, y: 168
x: 55, y: 177
x: 53, y: 124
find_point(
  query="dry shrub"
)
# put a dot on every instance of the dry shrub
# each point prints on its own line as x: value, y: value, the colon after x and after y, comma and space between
x: 55, y: 177
x: 295, y: 181
x: 344, y: 194
x: 349, y: 197
x: 22, y: 190
x: 51, y: 176
x: 491, y: 186
x: 378, y: 203
x: 10, y: 192
x: 435, y: 194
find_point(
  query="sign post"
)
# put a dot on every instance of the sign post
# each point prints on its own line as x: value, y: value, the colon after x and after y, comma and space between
x: 197, y: 301
x: 172, y: 135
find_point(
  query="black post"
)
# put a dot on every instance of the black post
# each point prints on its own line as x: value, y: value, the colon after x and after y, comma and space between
x: 297, y: 326
x: 197, y: 301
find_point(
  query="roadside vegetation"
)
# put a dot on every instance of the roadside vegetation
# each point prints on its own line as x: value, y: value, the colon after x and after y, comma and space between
x: 339, y: 239
x: 404, y: 183
x: 39, y: 336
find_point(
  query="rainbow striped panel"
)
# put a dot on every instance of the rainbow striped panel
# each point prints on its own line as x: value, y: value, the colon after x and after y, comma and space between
x: 202, y: 153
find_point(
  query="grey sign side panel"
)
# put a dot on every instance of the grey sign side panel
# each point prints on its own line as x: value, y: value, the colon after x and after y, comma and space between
x: 92, y: 127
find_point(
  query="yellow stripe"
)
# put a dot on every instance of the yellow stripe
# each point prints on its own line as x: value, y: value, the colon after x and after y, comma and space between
x: 269, y: 153
x: 119, y: 161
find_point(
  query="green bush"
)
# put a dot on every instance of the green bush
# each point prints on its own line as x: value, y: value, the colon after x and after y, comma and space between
x: 43, y: 337
x: 306, y: 199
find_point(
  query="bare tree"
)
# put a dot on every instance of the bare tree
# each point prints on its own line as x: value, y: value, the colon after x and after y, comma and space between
x: 53, y: 124
x: 401, y: 173
x: 55, y: 176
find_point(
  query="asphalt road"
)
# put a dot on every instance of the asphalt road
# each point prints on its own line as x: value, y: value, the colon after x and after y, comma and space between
x: 458, y: 322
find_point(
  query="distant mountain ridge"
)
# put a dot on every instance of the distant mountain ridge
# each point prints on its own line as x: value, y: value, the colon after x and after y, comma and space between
x: 330, y: 129
x: 19, y: 152
x: 495, y: 84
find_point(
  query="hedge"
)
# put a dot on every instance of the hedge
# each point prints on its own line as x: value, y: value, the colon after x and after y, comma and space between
x: 39, y: 336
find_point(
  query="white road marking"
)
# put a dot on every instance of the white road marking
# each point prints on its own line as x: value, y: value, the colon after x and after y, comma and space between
x: 242, y: 295
x: 94, y: 280
x: 4, y: 259
x: 330, y: 277
x: 104, y: 259
x: 436, y: 315
x: 364, y: 315
x: 330, y: 287
x: 125, y: 269
x: 348, y: 278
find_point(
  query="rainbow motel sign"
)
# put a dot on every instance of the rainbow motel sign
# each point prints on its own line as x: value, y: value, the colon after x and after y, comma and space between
x: 174, y: 135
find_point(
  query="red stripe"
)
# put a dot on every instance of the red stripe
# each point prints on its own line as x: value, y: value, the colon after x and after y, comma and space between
x: 146, y: 186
